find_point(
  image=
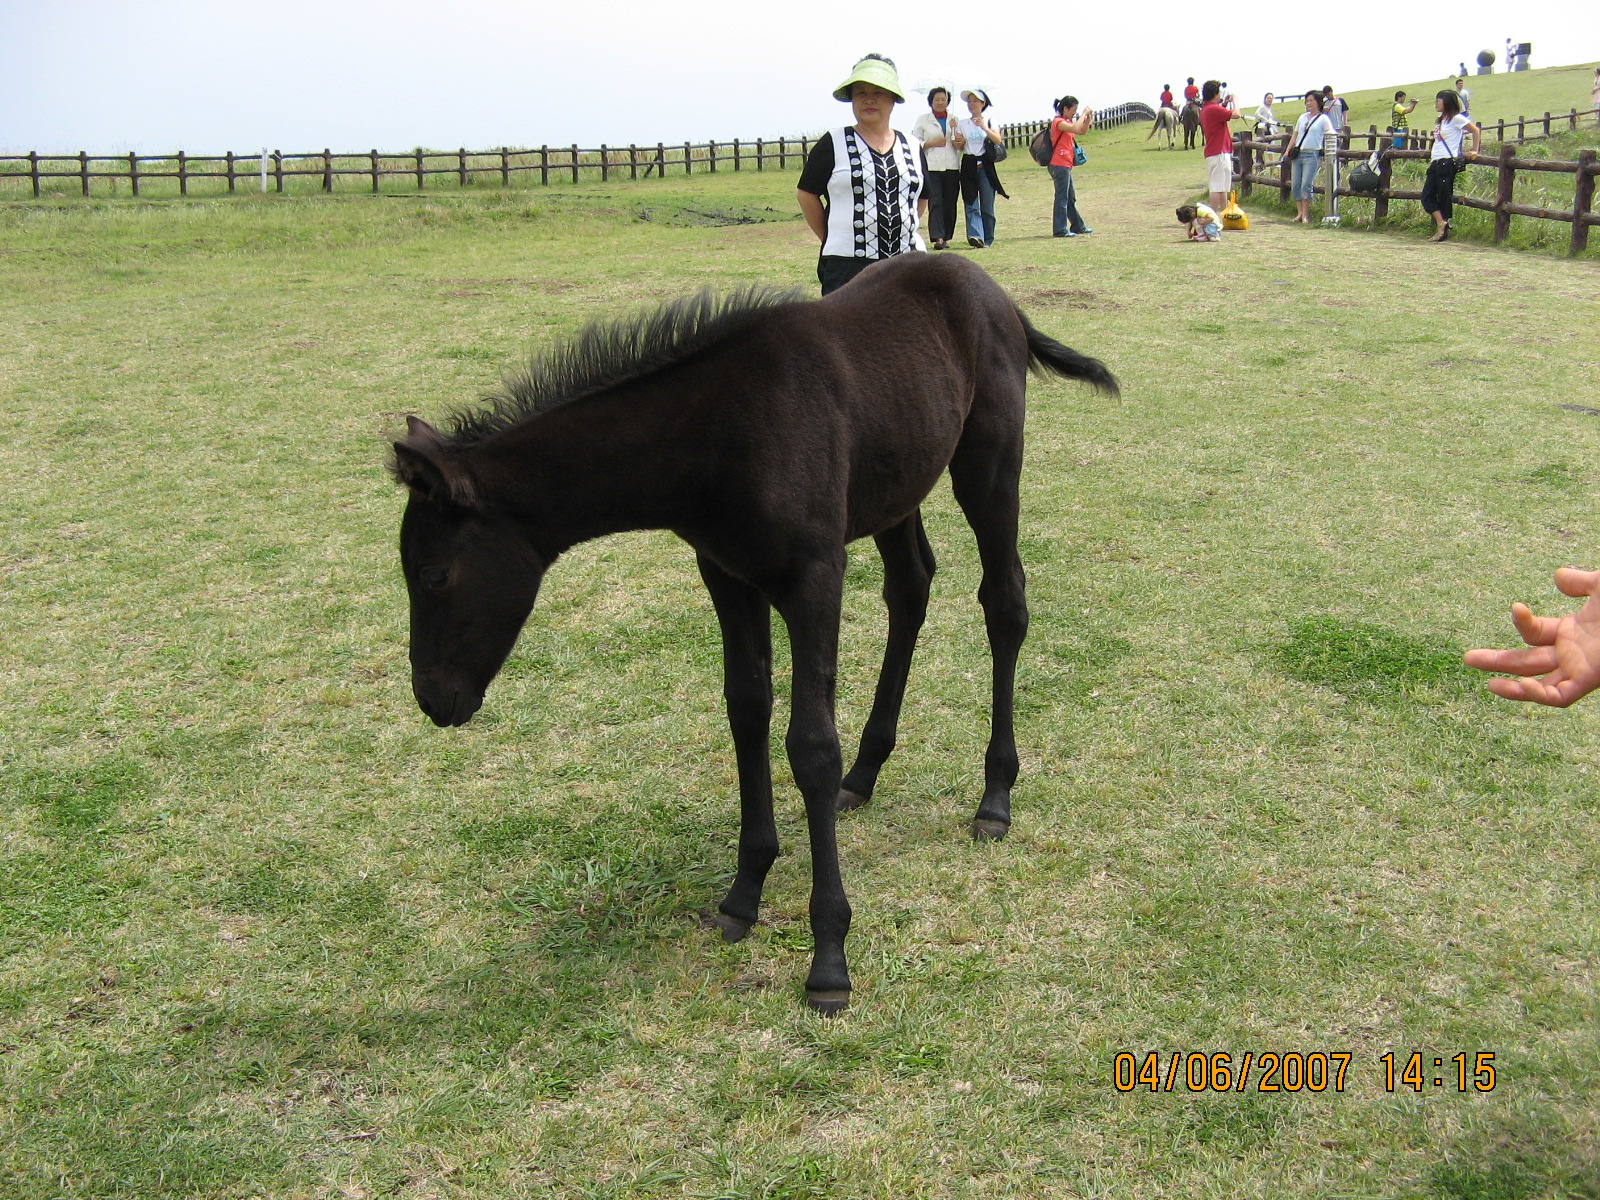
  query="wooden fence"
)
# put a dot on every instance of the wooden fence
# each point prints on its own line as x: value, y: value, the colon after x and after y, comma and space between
x: 1260, y: 162
x: 323, y: 170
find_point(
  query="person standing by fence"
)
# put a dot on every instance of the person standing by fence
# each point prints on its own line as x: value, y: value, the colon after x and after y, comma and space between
x: 1214, y: 118
x: 871, y: 177
x: 1065, y: 129
x: 935, y: 130
x: 1446, y: 161
x: 1399, y: 125
x: 1311, y: 132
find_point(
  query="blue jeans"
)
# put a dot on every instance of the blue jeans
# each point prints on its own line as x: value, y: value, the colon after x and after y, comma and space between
x: 1065, y: 217
x: 1304, y: 173
x: 980, y: 213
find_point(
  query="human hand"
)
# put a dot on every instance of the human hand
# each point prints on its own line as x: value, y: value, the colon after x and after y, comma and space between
x: 1564, y: 651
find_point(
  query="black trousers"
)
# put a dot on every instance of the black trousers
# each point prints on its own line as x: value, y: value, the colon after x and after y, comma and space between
x: 1438, y: 187
x: 944, y: 192
x: 834, y: 270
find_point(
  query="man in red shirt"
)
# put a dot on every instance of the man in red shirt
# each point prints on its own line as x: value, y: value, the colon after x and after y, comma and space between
x: 1191, y: 92
x: 1218, y: 150
x: 1166, y: 95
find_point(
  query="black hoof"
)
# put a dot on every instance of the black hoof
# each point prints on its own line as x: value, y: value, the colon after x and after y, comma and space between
x: 828, y: 1004
x: 848, y: 800
x: 733, y: 929
x: 985, y: 830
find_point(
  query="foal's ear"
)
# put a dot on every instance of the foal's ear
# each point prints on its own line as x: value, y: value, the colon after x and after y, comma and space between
x: 431, y: 474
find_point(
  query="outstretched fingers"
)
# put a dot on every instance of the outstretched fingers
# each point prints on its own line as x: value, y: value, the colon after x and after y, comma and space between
x: 1563, y: 652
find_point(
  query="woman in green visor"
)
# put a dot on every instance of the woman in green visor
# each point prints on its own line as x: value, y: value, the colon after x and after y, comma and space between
x: 861, y: 191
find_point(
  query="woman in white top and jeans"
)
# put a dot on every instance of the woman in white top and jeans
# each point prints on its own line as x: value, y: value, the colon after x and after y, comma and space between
x: 1306, y: 140
x: 1449, y: 137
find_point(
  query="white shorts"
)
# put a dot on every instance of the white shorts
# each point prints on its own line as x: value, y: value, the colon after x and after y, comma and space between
x: 1219, y: 172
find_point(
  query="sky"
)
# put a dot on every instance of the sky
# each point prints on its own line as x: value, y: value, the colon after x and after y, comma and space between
x: 206, y: 76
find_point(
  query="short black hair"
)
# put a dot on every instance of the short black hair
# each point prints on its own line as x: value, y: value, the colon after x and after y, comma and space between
x: 1209, y: 89
x: 1065, y: 103
x: 1400, y: 95
x: 1186, y: 213
x: 1321, y: 101
x: 1167, y: 87
x: 933, y: 91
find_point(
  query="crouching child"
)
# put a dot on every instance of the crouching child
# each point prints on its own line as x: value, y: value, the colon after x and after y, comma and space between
x: 1202, y: 222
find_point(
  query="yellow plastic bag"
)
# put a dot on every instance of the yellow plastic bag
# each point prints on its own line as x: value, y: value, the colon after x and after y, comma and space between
x: 1233, y: 217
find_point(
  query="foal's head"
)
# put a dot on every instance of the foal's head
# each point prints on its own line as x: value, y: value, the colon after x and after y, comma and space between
x: 472, y: 575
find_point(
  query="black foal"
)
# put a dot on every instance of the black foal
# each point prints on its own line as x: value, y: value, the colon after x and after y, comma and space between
x: 768, y: 433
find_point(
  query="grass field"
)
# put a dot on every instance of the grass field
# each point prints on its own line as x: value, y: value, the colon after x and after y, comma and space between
x: 268, y: 933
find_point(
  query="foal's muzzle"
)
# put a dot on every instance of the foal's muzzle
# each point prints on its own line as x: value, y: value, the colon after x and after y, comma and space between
x: 446, y: 707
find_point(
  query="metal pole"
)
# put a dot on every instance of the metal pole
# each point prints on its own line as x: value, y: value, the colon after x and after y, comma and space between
x: 1333, y: 179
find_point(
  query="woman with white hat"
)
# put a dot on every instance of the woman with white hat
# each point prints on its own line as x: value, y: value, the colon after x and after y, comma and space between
x: 861, y: 191
x: 975, y: 138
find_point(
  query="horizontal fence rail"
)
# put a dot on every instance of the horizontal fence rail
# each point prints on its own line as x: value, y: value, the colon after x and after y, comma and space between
x: 1261, y: 162
x: 274, y: 171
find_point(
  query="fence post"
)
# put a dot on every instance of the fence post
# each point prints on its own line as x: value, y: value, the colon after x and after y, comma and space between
x: 277, y: 171
x: 327, y: 169
x: 505, y: 167
x: 1573, y: 120
x: 761, y: 161
x: 33, y: 171
x: 374, y: 170
x: 1582, y: 201
x: 633, y: 161
x: 574, y: 162
x: 461, y: 165
x: 1380, y: 206
x: 605, y: 164
x: 1247, y: 160
x: 183, y: 174
x: 83, y: 169
x: 711, y: 155
x: 230, y: 172
x: 1547, y: 123
x: 133, y: 172
x: 661, y: 161
x: 544, y: 166
x: 419, y: 169
x: 1505, y: 182
x: 688, y: 160
x: 736, y: 154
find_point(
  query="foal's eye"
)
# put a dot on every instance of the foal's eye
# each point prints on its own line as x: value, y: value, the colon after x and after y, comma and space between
x: 433, y: 577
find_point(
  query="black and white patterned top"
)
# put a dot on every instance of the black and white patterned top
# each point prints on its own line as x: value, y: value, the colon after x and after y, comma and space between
x: 870, y: 198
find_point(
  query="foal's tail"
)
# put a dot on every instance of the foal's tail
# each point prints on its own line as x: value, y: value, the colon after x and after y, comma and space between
x: 1047, y: 354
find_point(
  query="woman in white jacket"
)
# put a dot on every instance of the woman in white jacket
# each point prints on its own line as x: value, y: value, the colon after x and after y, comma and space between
x: 934, y: 129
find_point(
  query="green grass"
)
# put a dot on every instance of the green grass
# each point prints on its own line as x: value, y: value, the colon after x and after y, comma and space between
x: 266, y: 932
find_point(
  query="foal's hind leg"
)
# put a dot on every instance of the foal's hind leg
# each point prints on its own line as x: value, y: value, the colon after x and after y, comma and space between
x: 747, y: 686
x: 908, y: 568
x: 984, y: 474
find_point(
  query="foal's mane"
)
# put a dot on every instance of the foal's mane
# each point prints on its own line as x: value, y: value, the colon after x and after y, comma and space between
x: 606, y: 353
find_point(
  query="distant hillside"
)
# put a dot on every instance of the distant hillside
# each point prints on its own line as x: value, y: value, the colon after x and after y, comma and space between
x: 1522, y: 94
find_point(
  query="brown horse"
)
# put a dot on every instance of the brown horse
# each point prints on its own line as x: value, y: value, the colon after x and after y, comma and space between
x: 768, y: 433
x: 1189, y: 118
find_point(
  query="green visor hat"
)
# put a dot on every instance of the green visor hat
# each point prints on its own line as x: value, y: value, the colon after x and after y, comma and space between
x: 877, y: 71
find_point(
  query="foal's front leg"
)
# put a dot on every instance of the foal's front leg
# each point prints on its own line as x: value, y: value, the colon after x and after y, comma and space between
x: 810, y: 607
x: 746, y: 621
x: 908, y: 568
